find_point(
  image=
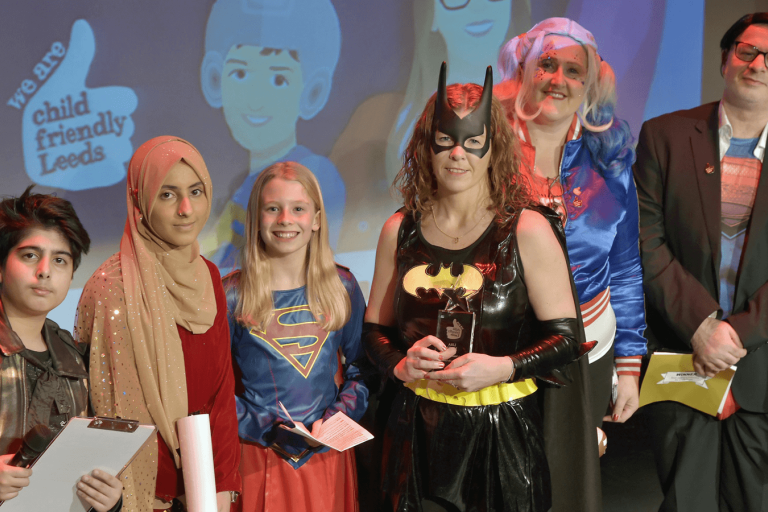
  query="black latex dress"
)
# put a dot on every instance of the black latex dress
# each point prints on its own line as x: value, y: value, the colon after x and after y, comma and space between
x: 473, y: 458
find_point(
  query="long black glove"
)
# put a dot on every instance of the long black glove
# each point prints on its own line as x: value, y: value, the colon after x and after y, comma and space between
x: 557, y: 347
x: 378, y: 341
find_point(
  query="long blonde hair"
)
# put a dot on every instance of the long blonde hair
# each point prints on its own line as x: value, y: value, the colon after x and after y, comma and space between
x: 327, y: 298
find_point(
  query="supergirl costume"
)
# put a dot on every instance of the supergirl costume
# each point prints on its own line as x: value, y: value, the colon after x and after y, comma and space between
x: 156, y: 319
x: 294, y: 362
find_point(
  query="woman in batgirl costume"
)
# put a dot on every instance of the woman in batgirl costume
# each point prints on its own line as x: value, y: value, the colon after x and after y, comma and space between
x: 472, y: 300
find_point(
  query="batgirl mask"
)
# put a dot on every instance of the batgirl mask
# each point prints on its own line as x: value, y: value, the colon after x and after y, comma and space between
x: 472, y: 125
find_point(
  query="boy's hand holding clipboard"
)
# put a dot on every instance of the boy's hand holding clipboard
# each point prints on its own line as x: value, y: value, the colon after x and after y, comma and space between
x: 91, y: 449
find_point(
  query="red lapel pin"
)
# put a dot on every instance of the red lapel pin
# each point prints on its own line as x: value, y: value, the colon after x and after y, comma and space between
x: 709, y: 169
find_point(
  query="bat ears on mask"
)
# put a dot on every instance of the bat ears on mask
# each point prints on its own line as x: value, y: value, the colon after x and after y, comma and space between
x: 442, y: 107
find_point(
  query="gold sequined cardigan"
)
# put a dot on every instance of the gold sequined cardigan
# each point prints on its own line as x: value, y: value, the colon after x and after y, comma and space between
x: 111, y: 356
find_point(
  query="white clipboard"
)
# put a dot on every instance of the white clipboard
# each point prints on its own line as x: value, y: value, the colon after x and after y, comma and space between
x: 84, y: 444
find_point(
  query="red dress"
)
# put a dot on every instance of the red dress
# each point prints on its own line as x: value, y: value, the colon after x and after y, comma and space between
x: 210, y: 390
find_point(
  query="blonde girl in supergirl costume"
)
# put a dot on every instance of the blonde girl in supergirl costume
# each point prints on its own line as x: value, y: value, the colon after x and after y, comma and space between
x: 291, y: 311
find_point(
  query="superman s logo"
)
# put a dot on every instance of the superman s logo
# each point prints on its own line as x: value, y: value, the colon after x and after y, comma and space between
x: 299, y: 342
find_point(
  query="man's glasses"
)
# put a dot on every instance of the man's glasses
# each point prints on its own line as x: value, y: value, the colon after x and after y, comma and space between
x: 453, y: 5
x: 748, y: 53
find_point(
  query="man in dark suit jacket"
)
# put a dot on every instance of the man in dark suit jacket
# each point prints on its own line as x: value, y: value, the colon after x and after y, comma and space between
x: 702, y: 186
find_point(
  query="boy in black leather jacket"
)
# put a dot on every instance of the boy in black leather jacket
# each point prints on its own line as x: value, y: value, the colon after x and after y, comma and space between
x: 43, y: 374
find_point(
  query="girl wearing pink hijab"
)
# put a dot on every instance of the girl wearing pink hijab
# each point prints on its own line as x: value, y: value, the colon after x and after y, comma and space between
x: 155, y: 316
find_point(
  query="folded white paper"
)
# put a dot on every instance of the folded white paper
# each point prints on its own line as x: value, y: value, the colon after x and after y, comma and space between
x: 340, y: 432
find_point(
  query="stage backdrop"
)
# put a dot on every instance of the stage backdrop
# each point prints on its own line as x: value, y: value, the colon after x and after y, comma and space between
x: 334, y: 84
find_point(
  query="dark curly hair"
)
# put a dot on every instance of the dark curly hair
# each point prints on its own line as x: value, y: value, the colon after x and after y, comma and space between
x: 19, y: 215
x: 416, y: 180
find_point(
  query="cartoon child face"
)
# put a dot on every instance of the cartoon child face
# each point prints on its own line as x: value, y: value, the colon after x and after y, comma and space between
x: 474, y: 25
x: 261, y: 89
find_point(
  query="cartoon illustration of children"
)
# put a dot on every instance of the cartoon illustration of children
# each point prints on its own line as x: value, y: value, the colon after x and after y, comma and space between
x: 466, y: 34
x: 268, y: 64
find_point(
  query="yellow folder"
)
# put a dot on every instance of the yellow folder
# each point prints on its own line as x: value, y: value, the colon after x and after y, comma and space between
x: 671, y: 377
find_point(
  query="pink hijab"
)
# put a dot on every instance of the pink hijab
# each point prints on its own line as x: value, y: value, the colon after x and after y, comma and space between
x: 165, y: 286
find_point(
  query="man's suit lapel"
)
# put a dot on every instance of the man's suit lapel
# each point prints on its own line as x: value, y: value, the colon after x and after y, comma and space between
x: 705, y: 145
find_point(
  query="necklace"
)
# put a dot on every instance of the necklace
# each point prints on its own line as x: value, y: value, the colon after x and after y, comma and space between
x: 457, y: 238
x: 550, y: 181
x: 550, y: 192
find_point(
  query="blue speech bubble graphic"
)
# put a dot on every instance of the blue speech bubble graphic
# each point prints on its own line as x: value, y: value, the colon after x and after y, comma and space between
x: 75, y: 137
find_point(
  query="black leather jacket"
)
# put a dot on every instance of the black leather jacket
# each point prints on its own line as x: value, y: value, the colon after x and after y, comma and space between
x: 68, y: 361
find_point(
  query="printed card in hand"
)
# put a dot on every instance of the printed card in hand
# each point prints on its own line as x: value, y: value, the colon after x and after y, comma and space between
x: 339, y: 431
x: 672, y: 377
